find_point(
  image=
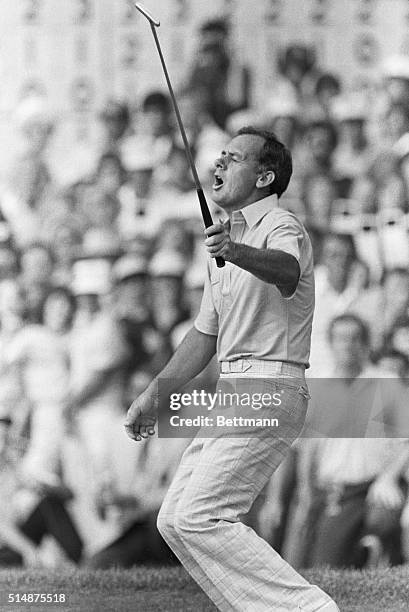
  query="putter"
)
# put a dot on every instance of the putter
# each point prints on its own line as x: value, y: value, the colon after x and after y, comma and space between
x: 207, y: 218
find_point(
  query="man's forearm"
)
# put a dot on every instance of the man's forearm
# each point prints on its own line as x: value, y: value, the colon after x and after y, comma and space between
x: 269, y: 265
x: 189, y: 359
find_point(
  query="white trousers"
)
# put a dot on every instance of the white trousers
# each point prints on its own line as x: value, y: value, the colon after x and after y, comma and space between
x: 215, y: 485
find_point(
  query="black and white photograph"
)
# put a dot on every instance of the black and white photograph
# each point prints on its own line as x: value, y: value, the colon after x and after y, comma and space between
x: 204, y: 306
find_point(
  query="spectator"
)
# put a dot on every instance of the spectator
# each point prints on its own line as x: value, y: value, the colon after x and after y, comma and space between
x: 130, y: 274
x: 153, y: 130
x: 34, y: 510
x: 327, y: 88
x: 382, y: 187
x: 139, y: 541
x: 167, y: 270
x: 99, y: 357
x: 40, y: 353
x: 27, y: 193
x: 398, y: 338
x: 135, y: 196
x: 352, y: 155
x: 382, y: 306
x: 9, y: 264
x: 358, y: 480
x: 115, y: 119
x: 336, y: 291
x: 394, y: 362
x: 320, y: 142
x: 37, y: 265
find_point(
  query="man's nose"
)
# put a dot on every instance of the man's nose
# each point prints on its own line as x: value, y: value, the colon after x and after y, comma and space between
x: 220, y: 163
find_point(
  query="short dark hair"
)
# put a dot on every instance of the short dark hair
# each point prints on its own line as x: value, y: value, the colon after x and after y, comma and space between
x: 349, y: 317
x: 273, y: 156
x: 156, y: 99
x: 327, y: 80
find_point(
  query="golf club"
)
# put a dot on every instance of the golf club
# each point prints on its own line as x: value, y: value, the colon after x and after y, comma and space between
x: 207, y: 218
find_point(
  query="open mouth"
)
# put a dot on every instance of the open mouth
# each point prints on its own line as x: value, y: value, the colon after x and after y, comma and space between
x: 218, y: 182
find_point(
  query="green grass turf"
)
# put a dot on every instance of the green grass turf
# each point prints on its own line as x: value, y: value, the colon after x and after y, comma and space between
x: 171, y: 590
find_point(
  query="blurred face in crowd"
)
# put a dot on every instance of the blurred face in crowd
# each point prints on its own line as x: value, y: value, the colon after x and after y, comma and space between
x: 338, y: 258
x: 166, y: 301
x: 132, y: 297
x: 237, y: 173
x: 179, y: 171
x: 58, y: 311
x: 397, y: 121
x: 394, y: 364
x: 67, y: 242
x: 114, y: 128
x: 397, y: 89
x: 326, y: 95
x: 37, y: 134
x: 400, y: 339
x: 404, y: 170
x: 36, y: 265
x: 348, y: 349
x: 320, y: 142
x: 191, y: 109
x: 155, y: 121
x: 8, y: 263
x: 396, y: 288
x: 110, y: 176
x: 87, y: 303
x: 353, y: 132
x: 141, y: 181
x: 11, y: 301
x: 320, y: 195
x: 103, y: 210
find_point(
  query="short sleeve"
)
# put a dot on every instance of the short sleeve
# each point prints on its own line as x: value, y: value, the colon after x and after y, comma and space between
x: 287, y: 236
x: 207, y: 320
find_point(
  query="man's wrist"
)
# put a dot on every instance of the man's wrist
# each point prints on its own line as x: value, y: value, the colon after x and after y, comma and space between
x: 233, y: 252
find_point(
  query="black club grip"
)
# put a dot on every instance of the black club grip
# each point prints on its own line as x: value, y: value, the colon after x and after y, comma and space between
x: 208, y: 221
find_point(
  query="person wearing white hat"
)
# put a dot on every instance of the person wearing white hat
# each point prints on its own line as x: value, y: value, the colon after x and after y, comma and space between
x: 98, y: 357
x: 28, y: 187
x: 352, y: 156
x: 395, y: 71
x: 135, y: 194
x: 167, y: 269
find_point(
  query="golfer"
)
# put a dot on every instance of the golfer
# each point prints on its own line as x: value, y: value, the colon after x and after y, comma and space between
x: 256, y: 313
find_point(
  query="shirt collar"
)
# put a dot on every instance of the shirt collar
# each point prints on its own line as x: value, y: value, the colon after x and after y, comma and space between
x: 253, y: 213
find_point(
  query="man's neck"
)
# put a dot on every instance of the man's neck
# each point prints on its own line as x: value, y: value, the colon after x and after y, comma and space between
x: 240, y: 206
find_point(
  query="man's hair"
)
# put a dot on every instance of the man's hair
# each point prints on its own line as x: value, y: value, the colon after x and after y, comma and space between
x: 273, y: 156
x: 349, y: 317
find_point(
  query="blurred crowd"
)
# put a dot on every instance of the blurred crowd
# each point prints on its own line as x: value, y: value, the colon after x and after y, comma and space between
x: 102, y: 268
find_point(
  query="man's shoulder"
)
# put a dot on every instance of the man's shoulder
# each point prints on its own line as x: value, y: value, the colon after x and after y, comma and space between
x: 280, y: 216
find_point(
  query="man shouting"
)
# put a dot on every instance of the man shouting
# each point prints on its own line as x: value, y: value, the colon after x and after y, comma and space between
x: 256, y: 312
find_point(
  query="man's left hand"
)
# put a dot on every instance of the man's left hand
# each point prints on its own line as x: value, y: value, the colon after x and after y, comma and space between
x: 218, y: 242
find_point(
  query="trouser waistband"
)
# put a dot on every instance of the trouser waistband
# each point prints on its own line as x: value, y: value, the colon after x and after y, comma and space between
x: 258, y: 366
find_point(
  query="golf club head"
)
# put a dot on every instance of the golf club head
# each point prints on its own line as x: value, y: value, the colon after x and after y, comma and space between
x: 147, y: 14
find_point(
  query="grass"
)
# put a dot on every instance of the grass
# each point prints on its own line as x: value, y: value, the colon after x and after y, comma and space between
x: 171, y: 590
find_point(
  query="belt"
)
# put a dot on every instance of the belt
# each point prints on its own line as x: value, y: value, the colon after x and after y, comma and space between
x: 260, y: 366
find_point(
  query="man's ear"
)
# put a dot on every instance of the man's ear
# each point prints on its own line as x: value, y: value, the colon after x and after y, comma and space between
x: 265, y: 179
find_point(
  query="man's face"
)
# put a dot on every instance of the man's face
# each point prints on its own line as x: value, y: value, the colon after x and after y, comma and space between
x: 237, y: 171
x: 36, y: 265
x: 347, y: 346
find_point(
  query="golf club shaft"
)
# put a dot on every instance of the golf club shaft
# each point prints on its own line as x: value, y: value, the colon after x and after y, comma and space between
x: 207, y: 218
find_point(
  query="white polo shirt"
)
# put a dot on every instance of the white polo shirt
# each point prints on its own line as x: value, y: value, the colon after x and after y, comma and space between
x: 250, y: 317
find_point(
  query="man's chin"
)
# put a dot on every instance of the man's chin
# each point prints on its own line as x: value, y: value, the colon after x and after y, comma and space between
x: 218, y: 197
